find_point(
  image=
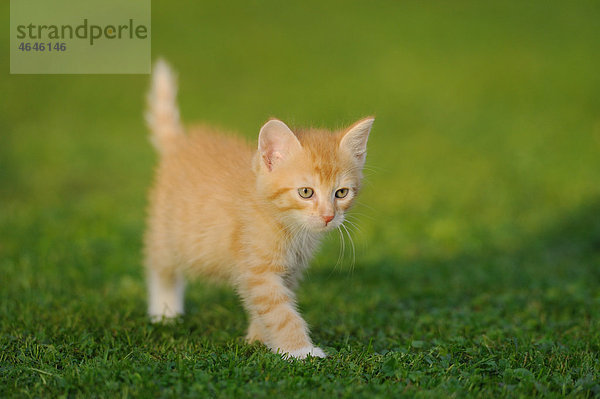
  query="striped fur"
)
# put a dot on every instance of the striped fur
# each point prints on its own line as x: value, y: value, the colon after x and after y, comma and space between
x: 221, y: 209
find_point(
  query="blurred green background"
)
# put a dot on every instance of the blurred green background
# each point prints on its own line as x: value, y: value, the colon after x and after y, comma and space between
x: 480, y: 211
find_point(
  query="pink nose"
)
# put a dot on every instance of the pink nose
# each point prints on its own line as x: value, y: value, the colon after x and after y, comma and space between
x: 328, y: 218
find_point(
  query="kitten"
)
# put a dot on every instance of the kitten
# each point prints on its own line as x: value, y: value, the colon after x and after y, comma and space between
x: 252, y: 217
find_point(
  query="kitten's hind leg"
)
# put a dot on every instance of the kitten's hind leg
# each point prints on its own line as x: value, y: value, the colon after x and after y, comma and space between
x: 165, y: 294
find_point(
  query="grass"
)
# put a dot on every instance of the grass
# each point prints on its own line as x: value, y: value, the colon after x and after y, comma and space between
x: 478, y: 257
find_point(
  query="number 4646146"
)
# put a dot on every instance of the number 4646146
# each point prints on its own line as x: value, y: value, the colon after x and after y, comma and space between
x: 43, y: 46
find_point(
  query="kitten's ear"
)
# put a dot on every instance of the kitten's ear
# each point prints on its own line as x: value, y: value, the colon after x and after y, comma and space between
x: 355, y: 139
x: 276, y: 142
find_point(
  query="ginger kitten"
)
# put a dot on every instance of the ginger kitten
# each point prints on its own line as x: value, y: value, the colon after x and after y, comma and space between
x: 253, y: 217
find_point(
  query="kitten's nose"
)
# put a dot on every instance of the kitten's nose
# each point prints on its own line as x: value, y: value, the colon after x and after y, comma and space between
x: 327, y: 218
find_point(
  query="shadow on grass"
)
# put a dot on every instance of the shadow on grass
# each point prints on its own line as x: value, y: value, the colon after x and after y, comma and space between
x: 547, y: 287
x: 553, y: 274
x: 564, y: 251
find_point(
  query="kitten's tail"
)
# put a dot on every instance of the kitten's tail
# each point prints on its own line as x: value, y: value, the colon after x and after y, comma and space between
x: 162, y: 114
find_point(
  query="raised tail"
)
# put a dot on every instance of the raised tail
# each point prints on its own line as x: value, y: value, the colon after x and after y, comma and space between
x: 162, y: 114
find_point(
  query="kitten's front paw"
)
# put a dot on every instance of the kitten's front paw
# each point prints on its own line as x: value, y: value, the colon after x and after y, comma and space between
x: 255, y: 333
x: 304, y: 352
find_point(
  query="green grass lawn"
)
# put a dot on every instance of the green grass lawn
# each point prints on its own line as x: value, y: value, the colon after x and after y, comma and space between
x: 477, y: 266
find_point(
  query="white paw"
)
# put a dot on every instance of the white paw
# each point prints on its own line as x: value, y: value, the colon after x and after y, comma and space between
x: 304, y: 352
x: 165, y: 318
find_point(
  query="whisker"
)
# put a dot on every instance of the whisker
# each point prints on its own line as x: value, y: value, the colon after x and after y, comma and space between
x: 354, y: 225
x: 354, y: 229
x: 353, y: 248
x: 366, y: 206
x: 357, y: 216
x: 354, y: 219
x: 376, y: 168
x: 342, y: 250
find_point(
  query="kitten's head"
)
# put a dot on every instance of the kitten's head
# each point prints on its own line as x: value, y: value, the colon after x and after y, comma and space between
x: 311, y: 176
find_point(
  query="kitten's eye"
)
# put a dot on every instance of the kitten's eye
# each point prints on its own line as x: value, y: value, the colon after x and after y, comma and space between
x: 305, y: 192
x: 341, y: 193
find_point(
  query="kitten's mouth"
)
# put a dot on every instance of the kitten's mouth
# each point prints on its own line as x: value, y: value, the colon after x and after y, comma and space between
x: 321, y: 228
x: 324, y: 227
